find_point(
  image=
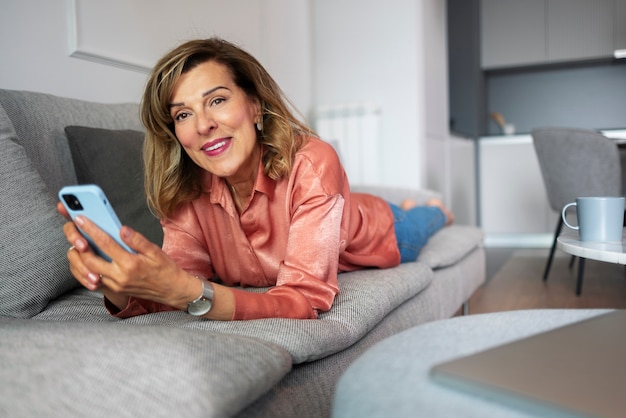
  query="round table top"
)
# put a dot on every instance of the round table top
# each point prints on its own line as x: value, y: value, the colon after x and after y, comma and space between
x: 610, y: 252
x: 392, y: 378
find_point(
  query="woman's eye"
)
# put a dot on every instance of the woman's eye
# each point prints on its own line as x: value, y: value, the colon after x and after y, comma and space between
x: 217, y: 101
x: 180, y: 116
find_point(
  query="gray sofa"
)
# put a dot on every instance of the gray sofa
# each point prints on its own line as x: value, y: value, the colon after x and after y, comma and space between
x: 62, y: 353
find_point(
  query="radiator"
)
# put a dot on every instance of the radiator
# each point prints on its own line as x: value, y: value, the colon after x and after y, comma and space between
x: 354, y: 130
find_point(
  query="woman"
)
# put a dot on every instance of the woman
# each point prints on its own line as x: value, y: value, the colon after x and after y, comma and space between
x: 247, y: 196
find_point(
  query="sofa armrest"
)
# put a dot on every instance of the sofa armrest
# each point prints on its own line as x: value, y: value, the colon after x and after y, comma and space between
x: 396, y: 195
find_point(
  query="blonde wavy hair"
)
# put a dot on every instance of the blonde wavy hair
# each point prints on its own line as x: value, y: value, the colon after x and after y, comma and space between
x: 170, y: 176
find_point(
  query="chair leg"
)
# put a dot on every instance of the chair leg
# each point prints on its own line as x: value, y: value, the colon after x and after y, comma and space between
x: 581, y: 269
x: 559, y: 225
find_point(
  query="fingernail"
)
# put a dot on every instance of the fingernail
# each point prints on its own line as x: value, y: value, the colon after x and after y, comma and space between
x: 81, y: 244
x: 127, y: 232
x: 79, y: 220
x: 93, y: 278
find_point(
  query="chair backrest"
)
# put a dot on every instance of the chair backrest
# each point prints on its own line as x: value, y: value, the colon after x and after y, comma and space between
x: 576, y: 163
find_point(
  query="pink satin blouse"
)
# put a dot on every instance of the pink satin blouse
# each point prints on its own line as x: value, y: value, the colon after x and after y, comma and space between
x: 294, y: 237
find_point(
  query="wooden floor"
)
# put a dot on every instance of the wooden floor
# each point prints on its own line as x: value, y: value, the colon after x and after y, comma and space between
x: 516, y: 283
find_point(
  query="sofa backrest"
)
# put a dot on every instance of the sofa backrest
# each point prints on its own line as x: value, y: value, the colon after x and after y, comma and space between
x: 39, y: 121
x: 38, y: 134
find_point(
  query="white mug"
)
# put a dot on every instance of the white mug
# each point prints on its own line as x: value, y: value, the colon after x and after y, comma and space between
x: 600, y: 219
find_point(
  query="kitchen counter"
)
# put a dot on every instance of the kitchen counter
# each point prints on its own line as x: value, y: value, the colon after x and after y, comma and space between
x: 619, y: 133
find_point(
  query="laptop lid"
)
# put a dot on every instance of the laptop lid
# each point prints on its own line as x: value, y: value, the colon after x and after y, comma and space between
x: 578, y: 369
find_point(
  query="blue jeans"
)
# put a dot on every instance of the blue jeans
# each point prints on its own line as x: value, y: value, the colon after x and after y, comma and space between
x: 414, y: 228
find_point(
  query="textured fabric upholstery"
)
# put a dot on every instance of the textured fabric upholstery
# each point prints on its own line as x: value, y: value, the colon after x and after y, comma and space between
x: 34, y: 268
x: 112, y: 159
x: 56, y: 357
x: 449, y: 245
x: 365, y: 298
x: 316, y: 380
x: 576, y: 163
x: 40, y: 120
x: 393, y: 375
x: 82, y: 370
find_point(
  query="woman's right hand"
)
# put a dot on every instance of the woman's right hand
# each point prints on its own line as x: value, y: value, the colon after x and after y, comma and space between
x: 148, y: 274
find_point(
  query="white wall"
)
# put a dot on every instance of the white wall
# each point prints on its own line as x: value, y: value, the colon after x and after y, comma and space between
x: 371, y: 51
x: 450, y: 162
x: 34, y: 45
x: 394, y: 54
x: 434, y: 101
x: 391, y: 52
x: 34, y: 40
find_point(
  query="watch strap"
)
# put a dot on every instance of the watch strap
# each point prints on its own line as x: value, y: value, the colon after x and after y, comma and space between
x: 203, y: 303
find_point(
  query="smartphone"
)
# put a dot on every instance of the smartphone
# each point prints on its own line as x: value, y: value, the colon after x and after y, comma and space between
x: 90, y: 201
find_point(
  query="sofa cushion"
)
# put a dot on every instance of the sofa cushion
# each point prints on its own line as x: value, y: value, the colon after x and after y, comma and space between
x: 40, y: 119
x: 450, y: 245
x: 365, y: 298
x: 34, y: 267
x: 82, y: 369
x: 112, y: 159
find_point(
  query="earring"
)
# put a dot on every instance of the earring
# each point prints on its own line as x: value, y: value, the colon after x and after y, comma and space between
x: 259, y: 125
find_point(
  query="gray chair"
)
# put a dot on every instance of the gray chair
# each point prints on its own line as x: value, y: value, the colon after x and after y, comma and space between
x: 576, y: 163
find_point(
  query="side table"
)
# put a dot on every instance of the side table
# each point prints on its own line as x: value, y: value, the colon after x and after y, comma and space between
x: 392, y: 377
x: 610, y: 252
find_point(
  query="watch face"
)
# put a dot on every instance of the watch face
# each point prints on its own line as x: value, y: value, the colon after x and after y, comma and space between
x: 200, y: 307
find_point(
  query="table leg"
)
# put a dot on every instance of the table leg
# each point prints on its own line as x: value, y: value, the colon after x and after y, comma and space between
x: 581, y: 270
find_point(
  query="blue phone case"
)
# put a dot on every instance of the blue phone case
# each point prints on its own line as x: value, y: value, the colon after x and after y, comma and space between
x: 90, y: 201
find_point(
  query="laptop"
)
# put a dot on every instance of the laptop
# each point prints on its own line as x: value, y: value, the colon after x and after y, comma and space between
x: 575, y: 370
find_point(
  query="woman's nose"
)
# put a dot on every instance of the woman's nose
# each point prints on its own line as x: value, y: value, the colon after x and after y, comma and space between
x: 205, y: 123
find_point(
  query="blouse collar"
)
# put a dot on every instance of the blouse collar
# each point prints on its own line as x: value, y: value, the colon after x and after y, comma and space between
x: 220, y: 193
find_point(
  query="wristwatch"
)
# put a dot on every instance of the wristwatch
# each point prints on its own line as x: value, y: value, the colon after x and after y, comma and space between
x: 204, y: 302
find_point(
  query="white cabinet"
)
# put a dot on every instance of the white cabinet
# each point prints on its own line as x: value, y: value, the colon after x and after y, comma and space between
x: 531, y: 32
x: 513, y: 204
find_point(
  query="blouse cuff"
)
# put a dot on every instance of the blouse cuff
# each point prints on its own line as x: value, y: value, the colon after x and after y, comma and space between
x: 136, y: 307
x: 278, y: 302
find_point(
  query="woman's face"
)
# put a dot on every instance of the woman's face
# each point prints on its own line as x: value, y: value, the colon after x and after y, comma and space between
x: 214, y: 121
